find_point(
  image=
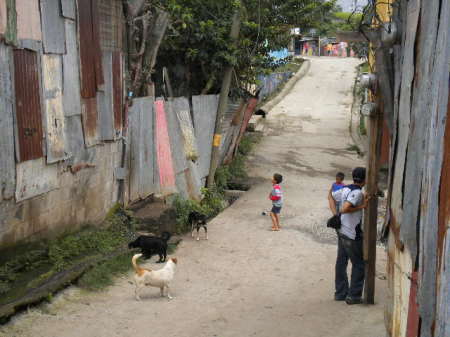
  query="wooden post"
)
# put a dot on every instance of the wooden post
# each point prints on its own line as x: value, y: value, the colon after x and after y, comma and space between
x: 223, y: 102
x: 375, y: 133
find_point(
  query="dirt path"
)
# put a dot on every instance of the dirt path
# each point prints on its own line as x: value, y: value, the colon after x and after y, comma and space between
x: 247, y: 280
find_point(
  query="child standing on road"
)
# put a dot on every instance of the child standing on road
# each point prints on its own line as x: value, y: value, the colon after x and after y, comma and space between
x: 334, y: 195
x: 276, y: 195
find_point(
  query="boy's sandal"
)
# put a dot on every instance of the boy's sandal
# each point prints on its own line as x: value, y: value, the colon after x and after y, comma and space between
x: 275, y: 229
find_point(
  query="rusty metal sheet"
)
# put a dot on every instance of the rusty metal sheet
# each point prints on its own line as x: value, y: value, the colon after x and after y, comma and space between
x: 53, y: 107
x: 34, y: 178
x: 7, y: 160
x: 53, y: 35
x: 110, y: 23
x: 68, y: 9
x: 28, y: 20
x: 204, y: 111
x: 163, y: 150
x: 71, y: 72
x: 28, y: 105
x: 105, y: 101
x: 3, y: 19
x: 230, y: 129
x: 95, y: 44
x: 249, y: 110
x: 117, y: 78
x: 90, y: 53
x: 89, y: 117
x: 443, y: 303
x: 142, y: 149
x: 444, y: 196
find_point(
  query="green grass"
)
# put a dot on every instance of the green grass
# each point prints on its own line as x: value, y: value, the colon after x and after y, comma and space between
x: 103, y: 274
x: 365, y: 67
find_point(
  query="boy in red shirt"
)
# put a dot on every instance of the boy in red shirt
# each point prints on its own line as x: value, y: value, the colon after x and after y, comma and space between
x: 276, y: 195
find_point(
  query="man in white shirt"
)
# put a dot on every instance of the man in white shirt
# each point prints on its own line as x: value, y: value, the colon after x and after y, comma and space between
x: 350, y: 243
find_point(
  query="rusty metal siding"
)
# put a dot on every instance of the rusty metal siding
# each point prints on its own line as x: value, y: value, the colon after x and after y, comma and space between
x: 105, y: 101
x: 110, y: 22
x: 90, y: 53
x: 96, y: 44
x: 28, y: 105
x: 443, y: 303
x: 7, y: 160
x: 117, y: 90
x: 53, y: 107
x: 28, y: 20
x: 71, y: 72
x: 68, y: 9
x: 89, y: 116
x: 53, y: 35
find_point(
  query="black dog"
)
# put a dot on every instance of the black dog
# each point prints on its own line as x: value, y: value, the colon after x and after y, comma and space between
x: 198, y: 220
x: 151, y: 245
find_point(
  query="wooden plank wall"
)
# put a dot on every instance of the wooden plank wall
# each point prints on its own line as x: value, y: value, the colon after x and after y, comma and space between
x: 420, y: 96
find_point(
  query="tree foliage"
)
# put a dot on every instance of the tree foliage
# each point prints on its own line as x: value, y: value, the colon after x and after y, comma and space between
x: 197, y: 46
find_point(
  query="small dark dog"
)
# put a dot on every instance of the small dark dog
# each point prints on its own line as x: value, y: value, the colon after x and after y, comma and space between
x: 261, y: 112
x: 151, y: 245
x: 198, y: 220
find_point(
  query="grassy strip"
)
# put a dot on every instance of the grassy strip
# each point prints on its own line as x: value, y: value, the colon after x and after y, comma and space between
x: 31, y: 272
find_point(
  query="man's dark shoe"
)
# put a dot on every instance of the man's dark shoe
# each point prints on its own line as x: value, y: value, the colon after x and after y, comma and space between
x: 353, y: 300
x: 339, y: 298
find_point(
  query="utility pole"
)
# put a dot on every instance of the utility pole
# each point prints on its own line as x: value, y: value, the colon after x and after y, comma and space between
x: 223, y: 100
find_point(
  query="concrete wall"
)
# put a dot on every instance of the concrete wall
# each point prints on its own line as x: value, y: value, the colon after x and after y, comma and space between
x: 82, y: 197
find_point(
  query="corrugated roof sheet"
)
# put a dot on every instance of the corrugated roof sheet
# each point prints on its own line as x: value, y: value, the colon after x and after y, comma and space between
x: 28, y: 104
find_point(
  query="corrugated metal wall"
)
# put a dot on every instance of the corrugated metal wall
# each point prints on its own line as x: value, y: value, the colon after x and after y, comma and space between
x: 204, y: 112
x: 142, y: 173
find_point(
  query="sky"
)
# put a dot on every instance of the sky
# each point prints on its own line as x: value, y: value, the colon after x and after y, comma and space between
x: 348, y: 4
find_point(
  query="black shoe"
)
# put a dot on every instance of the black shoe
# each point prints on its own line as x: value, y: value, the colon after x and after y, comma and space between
x: 339, y: 298
x: 353, y: 300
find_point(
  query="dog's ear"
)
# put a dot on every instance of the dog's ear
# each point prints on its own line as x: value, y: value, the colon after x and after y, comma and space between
x: 174, y: 260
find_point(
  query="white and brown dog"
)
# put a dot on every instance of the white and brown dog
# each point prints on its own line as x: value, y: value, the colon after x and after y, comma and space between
x: 154, y: 278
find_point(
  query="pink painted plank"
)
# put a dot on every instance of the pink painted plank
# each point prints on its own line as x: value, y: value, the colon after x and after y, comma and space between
x: 163, y: 153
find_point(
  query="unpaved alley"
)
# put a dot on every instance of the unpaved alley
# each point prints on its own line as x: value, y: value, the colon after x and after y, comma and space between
x: 247, y: 280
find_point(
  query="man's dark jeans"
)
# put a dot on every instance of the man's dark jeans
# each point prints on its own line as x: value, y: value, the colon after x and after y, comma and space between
x: 353, y: 250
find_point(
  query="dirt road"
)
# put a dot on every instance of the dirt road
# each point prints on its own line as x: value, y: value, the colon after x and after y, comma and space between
x: 247, y: 280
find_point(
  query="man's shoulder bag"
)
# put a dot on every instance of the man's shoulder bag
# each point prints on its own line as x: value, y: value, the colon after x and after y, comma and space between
x: 334, y: 221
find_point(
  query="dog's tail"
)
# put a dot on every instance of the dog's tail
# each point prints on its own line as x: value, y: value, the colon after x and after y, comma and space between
x: 133, y: 261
